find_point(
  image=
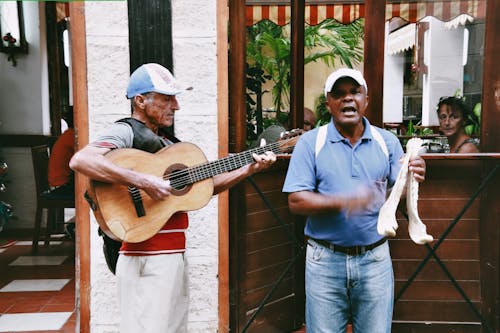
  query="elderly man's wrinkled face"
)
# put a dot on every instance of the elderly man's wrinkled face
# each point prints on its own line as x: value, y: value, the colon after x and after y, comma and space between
x: 160, y: 109
x: 347, y: 102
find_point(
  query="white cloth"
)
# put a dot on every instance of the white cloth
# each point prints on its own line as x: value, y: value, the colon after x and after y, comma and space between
x: 153, y: 293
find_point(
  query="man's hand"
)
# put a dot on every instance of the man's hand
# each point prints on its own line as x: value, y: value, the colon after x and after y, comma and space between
x: 262, y: 161
x: 417, y: 166
x: 156, y: 187
x: 226, y: 180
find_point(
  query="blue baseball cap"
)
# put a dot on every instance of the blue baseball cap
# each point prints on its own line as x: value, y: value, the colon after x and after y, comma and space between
x: 152, y: 78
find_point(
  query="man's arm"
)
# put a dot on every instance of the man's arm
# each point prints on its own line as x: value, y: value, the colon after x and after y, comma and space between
x: 91, y: 162
x: 309, y: 203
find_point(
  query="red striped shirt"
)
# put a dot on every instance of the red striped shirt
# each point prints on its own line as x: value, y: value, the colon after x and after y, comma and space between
x: 170, y: 239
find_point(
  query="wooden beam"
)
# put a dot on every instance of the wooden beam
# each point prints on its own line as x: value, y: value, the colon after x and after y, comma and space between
x: 297, y: 65
x: 223, y: 130
x: 374, y: 58
x: 53, y: 58
x: 80, y: 111
x: 237, y: 75
x: 490, y: 142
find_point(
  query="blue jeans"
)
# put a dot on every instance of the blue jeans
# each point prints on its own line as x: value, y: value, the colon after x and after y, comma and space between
x: 340, y: 286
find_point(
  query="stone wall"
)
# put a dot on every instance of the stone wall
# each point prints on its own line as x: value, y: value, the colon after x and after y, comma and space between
x: 194, y: 43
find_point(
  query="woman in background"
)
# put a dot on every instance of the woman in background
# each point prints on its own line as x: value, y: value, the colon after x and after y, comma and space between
x: 453, y: 116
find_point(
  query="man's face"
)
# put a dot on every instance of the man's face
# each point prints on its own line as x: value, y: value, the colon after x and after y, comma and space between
x: 308, y: 120
x: 160, y: 109
x: 450, y: 121
x: 347, y: 102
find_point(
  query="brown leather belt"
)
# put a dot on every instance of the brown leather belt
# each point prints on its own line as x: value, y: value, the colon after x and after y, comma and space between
x: 349, y: 250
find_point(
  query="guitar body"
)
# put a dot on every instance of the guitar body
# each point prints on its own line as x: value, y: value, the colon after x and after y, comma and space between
x: 116, y: 212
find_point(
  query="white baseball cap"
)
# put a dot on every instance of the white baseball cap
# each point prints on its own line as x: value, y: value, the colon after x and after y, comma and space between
x: 152, y: 78
x: 344, y: 72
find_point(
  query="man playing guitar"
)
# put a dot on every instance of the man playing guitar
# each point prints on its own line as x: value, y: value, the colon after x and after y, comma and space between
x: 152, y: 282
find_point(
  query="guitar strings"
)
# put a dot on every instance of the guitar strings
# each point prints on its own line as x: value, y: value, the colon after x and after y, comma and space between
x: 183, y: 177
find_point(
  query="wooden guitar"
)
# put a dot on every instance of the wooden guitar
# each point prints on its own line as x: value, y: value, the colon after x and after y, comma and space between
x: 129, y: 214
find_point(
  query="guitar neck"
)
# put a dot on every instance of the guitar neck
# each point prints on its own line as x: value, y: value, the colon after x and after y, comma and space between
x: 181, y: 178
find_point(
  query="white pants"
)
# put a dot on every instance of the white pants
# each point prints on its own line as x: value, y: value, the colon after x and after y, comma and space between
x: 152, y: 293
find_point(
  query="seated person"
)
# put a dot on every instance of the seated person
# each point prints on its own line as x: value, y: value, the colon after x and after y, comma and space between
x: 453, y: 116
x: 309, y: 119
x: 60, y: 176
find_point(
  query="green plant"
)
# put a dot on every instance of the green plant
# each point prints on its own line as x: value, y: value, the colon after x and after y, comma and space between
x: 268, y: 49
x: 473, y: 127
x: 472, y: 119
x: 322, y: 112
x: 268, y: 58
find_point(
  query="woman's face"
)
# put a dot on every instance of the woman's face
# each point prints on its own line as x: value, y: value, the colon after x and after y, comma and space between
x: 451, y: 121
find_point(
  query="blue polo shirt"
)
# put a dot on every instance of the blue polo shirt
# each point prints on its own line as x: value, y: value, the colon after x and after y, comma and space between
x: 341, y: 168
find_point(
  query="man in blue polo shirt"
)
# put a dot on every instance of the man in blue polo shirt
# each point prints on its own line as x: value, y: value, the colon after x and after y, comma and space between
x: 338, y: 178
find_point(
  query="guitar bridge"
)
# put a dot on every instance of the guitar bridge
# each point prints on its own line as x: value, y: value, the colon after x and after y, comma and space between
x: 136, y: 197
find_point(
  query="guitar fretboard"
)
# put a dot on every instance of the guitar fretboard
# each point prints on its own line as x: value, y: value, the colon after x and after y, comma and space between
x: 181, y: 178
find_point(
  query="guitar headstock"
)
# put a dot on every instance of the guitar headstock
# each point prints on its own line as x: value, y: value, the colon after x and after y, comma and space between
x: 289, y: 139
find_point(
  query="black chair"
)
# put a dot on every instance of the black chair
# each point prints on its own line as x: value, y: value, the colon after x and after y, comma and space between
x: 54, y: 204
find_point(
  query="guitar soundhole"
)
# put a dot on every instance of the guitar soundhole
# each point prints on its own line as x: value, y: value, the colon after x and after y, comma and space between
x: 179, y: 180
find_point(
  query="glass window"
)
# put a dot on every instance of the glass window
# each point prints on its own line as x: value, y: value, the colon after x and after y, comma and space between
x: 434, y: 50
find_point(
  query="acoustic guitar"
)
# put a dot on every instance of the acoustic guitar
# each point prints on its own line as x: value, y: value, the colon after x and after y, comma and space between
x: 130, y: 215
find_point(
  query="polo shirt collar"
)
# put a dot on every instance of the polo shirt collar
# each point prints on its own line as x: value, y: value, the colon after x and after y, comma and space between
x: 335, y: 136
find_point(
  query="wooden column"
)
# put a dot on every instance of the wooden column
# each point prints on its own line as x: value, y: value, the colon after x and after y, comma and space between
x: 374, y: 58
x: 237, y: 60
x: 490, y: 142
x: 223, y: 130
x: 80, y: 111
x: 297, y: 62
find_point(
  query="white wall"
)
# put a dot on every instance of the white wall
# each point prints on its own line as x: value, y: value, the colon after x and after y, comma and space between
x: 21, y: 86
x: 194, y: 43
x: 393, y: 83
x: 24, y: 110
x: 195, y: 63
x: 107, y: 74
x: 444, y: 56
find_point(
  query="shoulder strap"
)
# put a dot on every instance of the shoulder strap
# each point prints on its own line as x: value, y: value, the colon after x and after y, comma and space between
x: 321, y: 138
x: 378, y: 137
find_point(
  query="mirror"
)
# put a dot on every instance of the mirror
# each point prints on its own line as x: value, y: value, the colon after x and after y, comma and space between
x: 12, y: 29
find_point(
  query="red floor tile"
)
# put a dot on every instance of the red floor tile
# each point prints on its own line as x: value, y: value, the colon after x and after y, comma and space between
x: 43, y: 301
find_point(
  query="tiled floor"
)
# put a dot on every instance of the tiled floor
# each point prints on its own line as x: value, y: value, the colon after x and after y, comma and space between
x: 37, y: 292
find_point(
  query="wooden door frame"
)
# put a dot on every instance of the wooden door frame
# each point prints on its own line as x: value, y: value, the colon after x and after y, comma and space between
x: 80, y: 107
x: 222, y: 13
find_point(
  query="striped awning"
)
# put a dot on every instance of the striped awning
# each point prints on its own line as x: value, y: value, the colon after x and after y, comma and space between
x: 410, y: 11
x: 314, y: 14
x: 442, y: 10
